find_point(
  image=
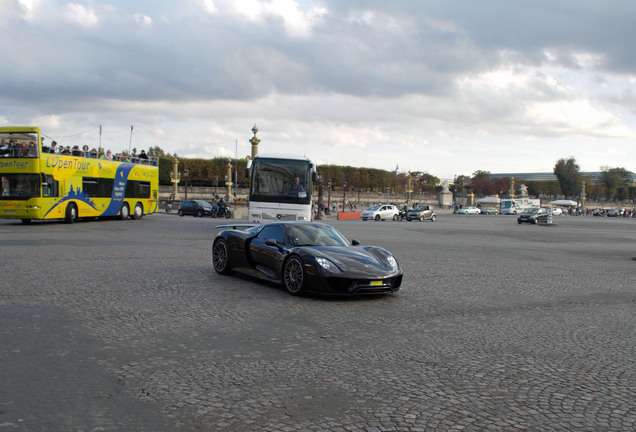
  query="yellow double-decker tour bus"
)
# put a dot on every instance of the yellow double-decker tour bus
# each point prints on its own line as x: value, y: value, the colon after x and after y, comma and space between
x: 40, y: 182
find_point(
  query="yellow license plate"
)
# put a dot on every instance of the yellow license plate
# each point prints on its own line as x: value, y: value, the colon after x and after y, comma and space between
x: 376, y: 282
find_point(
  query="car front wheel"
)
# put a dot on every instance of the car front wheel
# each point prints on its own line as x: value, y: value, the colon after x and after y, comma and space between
x: 377, y: 217
x: 294, y: 276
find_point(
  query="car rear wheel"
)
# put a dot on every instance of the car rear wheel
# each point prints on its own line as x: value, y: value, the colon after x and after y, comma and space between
x: 180, y: 212
x: 220, y: 257
x: 294, y: 275
x: 199, y: 214
x: 433, y: 218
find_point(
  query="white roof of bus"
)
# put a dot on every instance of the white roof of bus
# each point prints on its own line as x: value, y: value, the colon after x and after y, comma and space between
x: 282, y: 156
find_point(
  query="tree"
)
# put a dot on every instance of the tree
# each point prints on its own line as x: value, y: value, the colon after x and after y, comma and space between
x: 156, y: 151
x: 568, y: 173
x: 616, y: 181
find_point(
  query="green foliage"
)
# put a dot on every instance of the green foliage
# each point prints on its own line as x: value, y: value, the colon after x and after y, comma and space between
x: 569, y: 176
x: 616, y: 182
x: 204, y: 172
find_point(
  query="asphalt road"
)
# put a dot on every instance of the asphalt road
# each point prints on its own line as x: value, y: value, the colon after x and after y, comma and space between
x: 125, y: 326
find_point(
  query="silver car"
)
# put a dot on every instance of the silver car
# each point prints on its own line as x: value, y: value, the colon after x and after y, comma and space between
x: 380, y: 212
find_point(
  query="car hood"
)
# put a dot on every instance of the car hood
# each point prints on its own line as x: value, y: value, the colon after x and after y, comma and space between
x: 368, y: 261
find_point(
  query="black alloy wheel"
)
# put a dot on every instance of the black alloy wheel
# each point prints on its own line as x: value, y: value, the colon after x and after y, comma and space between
x: 294, y: 275
x: 220, y: 257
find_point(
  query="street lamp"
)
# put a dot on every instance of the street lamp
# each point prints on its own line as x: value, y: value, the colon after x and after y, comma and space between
x: 344, y: 195
x: 329, y: 184
x: 388, y: 189
x: 185, y: 175
x: 320, y: 206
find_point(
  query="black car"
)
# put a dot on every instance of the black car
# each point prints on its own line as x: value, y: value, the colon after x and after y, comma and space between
x: 533, y: 215
x: 196, y: 208
x: 306, y: 257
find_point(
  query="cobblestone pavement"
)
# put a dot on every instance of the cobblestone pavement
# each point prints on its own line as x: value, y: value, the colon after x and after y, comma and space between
x: 110, y: 325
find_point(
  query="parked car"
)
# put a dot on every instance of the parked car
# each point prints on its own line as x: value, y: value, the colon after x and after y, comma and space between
x: 489, y: 211
x: 421, y: 213
x: 196, y: 208
x: 468, y: 210
x: 380, y: 212
x: 306, y: 257
x: 556, y: 211
x: 533, y: 215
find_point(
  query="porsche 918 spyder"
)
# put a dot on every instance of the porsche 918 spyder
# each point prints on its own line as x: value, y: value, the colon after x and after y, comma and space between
x: 306, y: 257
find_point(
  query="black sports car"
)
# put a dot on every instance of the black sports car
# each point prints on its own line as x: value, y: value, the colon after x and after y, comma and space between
x: 306, y: 257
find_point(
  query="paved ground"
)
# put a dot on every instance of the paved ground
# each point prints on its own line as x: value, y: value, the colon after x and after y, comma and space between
x: 124, y: 326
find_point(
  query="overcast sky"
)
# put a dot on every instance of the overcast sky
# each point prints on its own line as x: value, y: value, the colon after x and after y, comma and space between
x: 446, y: 87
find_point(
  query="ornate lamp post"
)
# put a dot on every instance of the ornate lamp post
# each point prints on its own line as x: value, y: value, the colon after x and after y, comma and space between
x: 228, y: 180
x: 185, y: 175
x: 320, y: 206
x: 344, y: 195
x: 175, y: 178
x: 254, y: 141
x: 329, y: 184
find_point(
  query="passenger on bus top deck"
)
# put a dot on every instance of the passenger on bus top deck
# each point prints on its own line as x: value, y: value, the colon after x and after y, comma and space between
x: 109, y: 155
x: 100, y: 153
x: 33, y: 152
x: 85, y: 151
x: 53, y: 148
x: 143, y: 155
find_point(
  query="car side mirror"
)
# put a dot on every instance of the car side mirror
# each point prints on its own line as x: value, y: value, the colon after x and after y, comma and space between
x: 355, y: 242
x: 270, y: 242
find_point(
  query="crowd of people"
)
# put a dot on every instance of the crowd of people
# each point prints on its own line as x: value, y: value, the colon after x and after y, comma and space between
x: 15, y: 148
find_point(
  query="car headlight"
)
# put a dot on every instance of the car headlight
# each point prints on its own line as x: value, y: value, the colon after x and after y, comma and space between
x: 392, y: 262
x: 324, y: 263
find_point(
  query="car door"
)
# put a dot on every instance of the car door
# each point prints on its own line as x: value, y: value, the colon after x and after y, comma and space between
x: 268, y: 259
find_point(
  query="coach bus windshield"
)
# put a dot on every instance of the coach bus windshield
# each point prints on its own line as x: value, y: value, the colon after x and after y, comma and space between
x: 281, y: 180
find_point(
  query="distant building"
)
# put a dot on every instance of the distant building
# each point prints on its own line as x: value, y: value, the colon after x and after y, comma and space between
x: 542, y: 176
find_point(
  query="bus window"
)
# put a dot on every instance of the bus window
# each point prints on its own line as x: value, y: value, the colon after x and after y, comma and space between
x: 50, y: 186
x: 20, y: 186
x: 96, y: 187
x: 137, y: 189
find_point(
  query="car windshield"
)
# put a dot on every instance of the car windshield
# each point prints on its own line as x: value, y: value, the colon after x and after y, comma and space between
x: 314, y: 235
x: 204, y: 204
x: 374, y: 208
x: 533, y: 210
x: 420, y: 208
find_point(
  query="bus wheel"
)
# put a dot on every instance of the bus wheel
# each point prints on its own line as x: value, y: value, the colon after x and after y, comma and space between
x: 124, y: 212
x: 71, y: 214
x: 138, y: 213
